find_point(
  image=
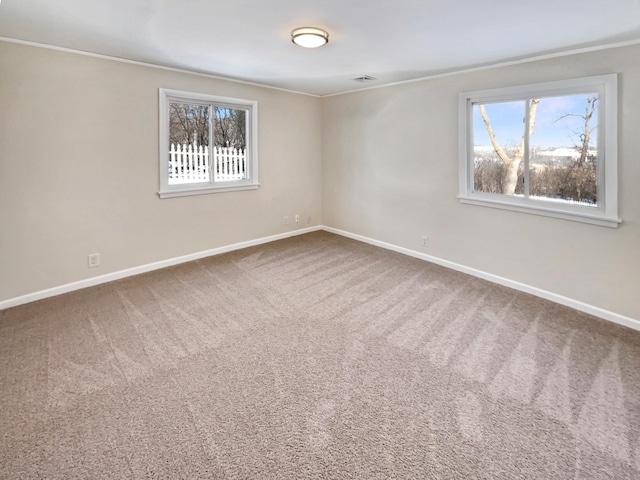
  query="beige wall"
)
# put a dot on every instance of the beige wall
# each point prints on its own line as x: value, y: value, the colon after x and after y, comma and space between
x: 79, y: 159
x: 79, y: 169
x: 390, y: 172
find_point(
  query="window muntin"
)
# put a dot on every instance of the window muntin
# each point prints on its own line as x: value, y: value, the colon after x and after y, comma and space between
x: 208, y: 144
x: 548, y: 149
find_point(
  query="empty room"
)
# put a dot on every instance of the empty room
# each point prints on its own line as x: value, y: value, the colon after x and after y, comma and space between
x: 293, y: 240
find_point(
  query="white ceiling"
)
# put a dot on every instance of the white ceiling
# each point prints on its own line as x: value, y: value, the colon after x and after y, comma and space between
x: 392, y: 40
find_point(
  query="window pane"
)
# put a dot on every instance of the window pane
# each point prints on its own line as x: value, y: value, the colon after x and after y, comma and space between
x: 498, y: 136
x: 188, y: 143
x: 563, y: 159
x: 230, y: 140
x: 566, y: 167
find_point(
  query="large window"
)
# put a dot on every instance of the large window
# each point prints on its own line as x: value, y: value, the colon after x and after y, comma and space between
x: 548, y: 149
x: 207, y: 144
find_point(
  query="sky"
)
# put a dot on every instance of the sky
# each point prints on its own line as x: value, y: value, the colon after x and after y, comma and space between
x: 550, y: 131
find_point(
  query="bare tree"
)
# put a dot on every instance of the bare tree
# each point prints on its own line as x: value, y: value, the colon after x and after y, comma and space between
x: 585, y: 134
x: 230, y: 127
x: 511, y: 162
x: 189, y: 123
x: 579, y: 180
x: 551, y: 178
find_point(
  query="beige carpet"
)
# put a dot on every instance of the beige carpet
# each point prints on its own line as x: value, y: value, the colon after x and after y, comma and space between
x: 314, y: 357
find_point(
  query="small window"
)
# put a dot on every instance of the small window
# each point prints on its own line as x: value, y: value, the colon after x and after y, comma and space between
x: 207, y: 144
x: 548, y: 149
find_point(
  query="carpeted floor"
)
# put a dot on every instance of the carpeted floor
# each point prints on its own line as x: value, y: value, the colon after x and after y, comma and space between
x: 314, y: 357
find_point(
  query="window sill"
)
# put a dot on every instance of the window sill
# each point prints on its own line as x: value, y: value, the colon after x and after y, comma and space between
x: 206, y: 190
x: 546, y: 212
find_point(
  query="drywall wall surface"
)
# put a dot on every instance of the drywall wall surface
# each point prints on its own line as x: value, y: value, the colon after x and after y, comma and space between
x: 79, y: 163
x: 390, y: 172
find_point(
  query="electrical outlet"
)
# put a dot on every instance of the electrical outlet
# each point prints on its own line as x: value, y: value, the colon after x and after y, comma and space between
x: 93, y: 260
x: 286, y: 220
x: 425, y: 241
x: 309, y: 219
x: 297, y: 218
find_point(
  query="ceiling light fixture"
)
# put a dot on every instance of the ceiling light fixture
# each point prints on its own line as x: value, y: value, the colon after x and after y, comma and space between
x: 309, y: 37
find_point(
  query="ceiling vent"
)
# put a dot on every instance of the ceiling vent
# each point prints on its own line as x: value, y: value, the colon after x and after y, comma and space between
x: 365, y: 78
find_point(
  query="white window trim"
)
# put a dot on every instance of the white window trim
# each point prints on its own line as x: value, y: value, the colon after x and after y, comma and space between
x: 606, y: 213
x: 181, y: 190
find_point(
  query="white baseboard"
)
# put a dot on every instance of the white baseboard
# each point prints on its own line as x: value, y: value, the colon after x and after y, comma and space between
x: 110, y: 277
x: 90, y: 282
x: 569, y: 302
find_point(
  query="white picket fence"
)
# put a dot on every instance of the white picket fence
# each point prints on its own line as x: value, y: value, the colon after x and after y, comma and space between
x: 190, y: 164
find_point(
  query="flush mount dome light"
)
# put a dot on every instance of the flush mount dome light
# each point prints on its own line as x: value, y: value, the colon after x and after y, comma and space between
x: 309, y: 37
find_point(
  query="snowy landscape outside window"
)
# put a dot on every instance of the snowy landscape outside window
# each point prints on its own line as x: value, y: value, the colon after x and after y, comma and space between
x: 548, y: 149
x: 207, y: 144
